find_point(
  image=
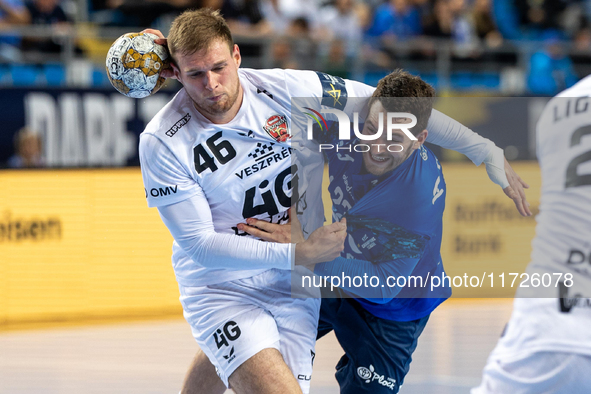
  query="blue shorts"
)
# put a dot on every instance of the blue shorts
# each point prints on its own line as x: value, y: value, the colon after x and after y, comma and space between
x: 377, y: 351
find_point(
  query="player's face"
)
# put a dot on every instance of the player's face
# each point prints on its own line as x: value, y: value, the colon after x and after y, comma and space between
x: 379, y: 160
x: 210, y: 77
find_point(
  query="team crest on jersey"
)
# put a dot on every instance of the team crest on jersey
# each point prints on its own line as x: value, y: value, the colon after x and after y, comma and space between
x: 276, y: 127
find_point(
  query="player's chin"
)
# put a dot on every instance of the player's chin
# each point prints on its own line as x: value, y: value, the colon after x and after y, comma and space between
x: 378, y: 170
x: 216, y: 107
x: 221, y: 106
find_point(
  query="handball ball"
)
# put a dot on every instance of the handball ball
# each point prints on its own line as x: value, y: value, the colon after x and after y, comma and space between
x: 134, y: 63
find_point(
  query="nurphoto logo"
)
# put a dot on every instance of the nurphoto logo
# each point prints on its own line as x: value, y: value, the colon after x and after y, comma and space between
x: 394, y: 121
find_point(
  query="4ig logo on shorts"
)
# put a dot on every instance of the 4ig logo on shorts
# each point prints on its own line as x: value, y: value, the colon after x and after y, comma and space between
x: 228, y: 333
x: 369, y: 375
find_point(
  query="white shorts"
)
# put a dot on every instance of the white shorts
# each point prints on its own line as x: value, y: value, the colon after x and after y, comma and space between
x: 233, y: 321
x: 540, y: 372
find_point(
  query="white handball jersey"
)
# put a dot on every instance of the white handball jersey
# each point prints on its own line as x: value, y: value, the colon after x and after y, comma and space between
x: 240, y: 169
x: 563, y: 233
x: 556, y: 318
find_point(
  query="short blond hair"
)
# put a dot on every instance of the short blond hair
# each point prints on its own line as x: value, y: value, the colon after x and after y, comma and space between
x: 194, y: 30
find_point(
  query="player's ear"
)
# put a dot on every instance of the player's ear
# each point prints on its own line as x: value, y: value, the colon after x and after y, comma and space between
x: 175, y: 71
x: 422, y: 137
x: 236, y: 55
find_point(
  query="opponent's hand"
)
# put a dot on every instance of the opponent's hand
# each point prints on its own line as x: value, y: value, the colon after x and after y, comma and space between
x: 281, y: 233
x: 515, y: 190
x: 324, y: 244
x: 500, y: 172
x: 167, y: 72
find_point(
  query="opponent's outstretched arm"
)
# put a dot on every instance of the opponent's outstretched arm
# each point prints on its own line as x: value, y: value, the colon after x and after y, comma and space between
x: 451, y: 134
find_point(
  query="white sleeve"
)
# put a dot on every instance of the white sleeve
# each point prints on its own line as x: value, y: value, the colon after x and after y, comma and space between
x: 443, y: 130
x: 451, y: 134
x: 191, y: 225
x: 166, y: 181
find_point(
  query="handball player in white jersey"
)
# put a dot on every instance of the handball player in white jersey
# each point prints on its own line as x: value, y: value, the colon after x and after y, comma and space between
x: 219, y: 153
x: 546, y: 346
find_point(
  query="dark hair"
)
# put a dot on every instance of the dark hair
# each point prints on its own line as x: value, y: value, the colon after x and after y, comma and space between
x: 195, y: 30
x: 414, y: 96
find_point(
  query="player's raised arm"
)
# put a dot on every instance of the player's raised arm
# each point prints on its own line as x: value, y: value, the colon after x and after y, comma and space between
x: 346, y: 95
x: 451, y: 134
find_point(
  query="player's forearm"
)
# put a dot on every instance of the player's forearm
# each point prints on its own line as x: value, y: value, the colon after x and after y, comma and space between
x: 451, y: 134
x: 191, y: 226
x: 233, y: 252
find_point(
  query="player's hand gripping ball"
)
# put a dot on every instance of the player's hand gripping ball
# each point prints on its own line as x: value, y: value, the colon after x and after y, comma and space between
x: 134, y: 63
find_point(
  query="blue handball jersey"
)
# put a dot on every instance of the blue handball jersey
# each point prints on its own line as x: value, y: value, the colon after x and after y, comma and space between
x: 394, y: 224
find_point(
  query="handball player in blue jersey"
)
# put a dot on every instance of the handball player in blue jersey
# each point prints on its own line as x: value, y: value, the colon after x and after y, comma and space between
x: 393, y: 202
x: 393, y: 199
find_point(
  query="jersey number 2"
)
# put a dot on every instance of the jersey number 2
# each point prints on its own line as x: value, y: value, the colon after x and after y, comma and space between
x: 572, y: 178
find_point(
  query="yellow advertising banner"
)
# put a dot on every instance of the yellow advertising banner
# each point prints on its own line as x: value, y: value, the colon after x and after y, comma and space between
x: 79, y: 245
x: 483, y: 234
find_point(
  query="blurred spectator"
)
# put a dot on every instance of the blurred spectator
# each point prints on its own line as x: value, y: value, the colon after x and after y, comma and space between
x: 393, y: 21
x: 12, y: 13
x: 277, y: 20
x: 245, y: 17
x: 440, y: 23
x: 137, y: 13
x: 506, y: 18
x: 45, y: 13
x: 27, y: 146
x: 396, y: 18
x: 463, y: 33
x: 295, y: 49
x: 341, y: 21
x: 336, y: 60
x: 537, y: 16
x: 282, y: 55
x: 529, y: 20
x: 299, y: 28
x: 303, y: 46
x: 582, y: 40
x: 582, y: 49
x: 307, y: 9
x: 550, y: 70
x: 484, y: 24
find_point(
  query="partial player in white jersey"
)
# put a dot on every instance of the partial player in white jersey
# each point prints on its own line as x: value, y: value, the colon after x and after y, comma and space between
x: 218, y: 153
x: 546, y: 346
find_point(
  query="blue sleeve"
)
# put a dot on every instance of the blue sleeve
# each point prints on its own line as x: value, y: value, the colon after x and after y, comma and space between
x: 343, y: 268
